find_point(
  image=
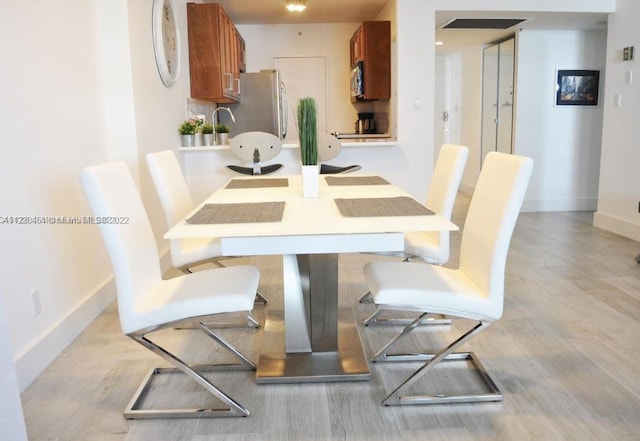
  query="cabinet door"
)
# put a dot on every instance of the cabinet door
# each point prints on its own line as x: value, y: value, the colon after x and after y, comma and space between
x: 373, y: 48
x: 242, y: 63
x: 211, y: 54
x: 357, y: 46
x: 230, y: 69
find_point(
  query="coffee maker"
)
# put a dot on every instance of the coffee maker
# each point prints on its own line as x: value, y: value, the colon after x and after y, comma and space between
x: 366, y: 123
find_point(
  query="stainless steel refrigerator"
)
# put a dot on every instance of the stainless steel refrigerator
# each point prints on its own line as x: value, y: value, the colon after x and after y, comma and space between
x: 262, y: 106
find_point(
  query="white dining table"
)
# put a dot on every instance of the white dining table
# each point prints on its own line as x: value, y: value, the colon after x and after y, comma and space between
x: 312, y: 339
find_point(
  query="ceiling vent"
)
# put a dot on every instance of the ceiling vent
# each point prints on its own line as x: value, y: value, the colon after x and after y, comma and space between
x: 482, y: 23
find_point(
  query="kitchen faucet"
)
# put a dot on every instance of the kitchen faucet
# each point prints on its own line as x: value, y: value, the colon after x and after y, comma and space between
x: 213, y: 118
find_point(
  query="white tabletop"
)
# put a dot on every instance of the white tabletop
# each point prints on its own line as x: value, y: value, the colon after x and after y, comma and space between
x: 308, y: 216
x: 309, y: 225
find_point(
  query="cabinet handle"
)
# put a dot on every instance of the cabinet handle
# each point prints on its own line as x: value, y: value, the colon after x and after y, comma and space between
x: 229, y: 86
x: 237, y: 80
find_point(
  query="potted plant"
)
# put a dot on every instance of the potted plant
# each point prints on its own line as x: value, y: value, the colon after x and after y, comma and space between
x: 207, y: 133
x: 222, y: 131
x: 187, y: 130
x: 199, y: 121
x: 308, y: 135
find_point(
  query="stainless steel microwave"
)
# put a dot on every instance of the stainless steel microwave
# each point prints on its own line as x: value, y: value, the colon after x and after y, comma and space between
x: 357, y: 80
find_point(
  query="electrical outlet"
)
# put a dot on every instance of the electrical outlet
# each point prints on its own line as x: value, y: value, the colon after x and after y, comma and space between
x: 37, y: 304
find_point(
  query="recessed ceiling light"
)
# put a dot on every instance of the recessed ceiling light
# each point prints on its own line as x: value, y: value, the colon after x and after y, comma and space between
x: 439, y: 43
x: 296, y: 5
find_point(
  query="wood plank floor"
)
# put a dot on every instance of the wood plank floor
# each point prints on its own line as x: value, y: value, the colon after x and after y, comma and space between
x: 566, y: 355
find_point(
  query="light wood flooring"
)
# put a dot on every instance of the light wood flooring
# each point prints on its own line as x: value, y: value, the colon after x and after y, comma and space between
x: 566, y: 355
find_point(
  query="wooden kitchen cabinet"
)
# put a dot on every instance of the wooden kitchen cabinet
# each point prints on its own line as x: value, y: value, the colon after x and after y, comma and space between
x: 371, y: 46
x: 216, y: 54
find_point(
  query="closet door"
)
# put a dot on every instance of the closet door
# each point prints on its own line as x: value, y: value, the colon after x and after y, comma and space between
x: 505, y: 97
x: 490, y: 80
x: 497, y: 97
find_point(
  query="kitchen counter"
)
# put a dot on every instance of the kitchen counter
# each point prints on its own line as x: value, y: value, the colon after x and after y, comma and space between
x: 363, y: 142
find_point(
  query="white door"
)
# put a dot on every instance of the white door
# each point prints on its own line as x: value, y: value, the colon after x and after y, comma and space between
x: 442, y: 100
x: 303, y: 77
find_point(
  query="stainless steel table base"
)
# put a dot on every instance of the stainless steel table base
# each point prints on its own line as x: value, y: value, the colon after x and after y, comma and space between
x: 348, y: 363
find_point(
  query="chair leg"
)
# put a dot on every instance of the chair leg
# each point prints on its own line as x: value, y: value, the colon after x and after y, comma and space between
x: 233, y: 409
x: 396, y: 397
x: 432, y: 319
x: 367, y: 297
x: 260, y: 299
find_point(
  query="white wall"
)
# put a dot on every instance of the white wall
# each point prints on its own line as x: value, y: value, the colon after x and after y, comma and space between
x: 73, y: 95
x: 619, y: 190
x: 52, y: 117
x: 564, y: 141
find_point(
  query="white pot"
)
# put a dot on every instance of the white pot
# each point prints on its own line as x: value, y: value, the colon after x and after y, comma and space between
x: 223, y: 138
x: 187, y: 140
x: 310, y: 181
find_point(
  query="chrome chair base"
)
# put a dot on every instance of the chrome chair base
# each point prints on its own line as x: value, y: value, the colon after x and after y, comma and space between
x: 367, y: 297
x: 431, y: 319
x: 373, y: 319
x: 399, y: 398
x: 232, y: 409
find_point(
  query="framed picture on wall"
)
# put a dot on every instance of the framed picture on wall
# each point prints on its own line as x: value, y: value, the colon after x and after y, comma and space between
x: 577, y: 87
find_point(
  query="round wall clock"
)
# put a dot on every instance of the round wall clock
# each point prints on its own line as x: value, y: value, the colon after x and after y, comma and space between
x: 166, y: 41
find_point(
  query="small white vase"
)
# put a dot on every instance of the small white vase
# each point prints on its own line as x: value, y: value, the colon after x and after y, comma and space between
x: 198, y: 140
x: 310, y: 181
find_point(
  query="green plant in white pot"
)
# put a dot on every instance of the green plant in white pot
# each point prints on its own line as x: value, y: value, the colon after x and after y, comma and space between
x: 187, y: 131
x: 222, y: 131
x: 308, y: 136
x: 207, y: 134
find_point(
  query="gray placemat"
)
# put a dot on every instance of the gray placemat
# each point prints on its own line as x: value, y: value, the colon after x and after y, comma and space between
x: 258, y: 183
x: 370, y: 207
x: 249, y: 212
x: 356, y: 180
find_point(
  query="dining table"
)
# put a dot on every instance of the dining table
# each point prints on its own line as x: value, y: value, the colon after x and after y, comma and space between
x: 312, y: 339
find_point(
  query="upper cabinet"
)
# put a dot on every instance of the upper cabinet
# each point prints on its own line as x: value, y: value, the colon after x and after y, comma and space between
x: 216, y: 54
x: 370, y: 50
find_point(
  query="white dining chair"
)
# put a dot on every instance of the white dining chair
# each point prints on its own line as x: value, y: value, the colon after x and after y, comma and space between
x: 328, y: 148
x: 474, y: 291
x: 431, y: 246
x: 256, y: 147
x: 147, y: 303
x: 175, y: 198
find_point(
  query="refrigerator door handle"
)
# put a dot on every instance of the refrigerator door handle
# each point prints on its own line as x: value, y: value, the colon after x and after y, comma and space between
x: 284, y: 110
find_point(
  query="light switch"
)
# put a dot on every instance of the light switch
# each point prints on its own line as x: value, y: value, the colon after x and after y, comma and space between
x: 417, y: 105
x: 618, y: 100
x: 628, y: 77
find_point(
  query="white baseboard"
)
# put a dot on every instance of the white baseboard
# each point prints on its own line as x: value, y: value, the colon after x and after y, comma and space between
x: 616, y: 225
x: 540, y: 205
x: 35, y: 359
